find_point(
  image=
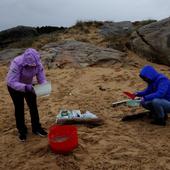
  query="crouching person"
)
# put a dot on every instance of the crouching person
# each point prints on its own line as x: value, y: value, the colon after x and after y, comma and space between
x: 156, y: 97
x: 19, y: 82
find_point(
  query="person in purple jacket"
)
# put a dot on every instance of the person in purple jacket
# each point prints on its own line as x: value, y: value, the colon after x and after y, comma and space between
x: 156, y: 97
x: 22, y: 70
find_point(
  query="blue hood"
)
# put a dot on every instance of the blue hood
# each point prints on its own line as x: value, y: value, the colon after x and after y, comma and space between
x: 158, y: 87
x: 149, y: 72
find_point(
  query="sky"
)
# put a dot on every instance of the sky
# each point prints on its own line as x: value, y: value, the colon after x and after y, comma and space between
x: 67, y: 12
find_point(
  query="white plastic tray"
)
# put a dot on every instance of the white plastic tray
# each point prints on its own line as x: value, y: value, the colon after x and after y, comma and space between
x: 43, y: 89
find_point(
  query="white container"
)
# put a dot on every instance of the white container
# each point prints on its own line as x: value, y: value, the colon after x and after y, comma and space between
x: 88, y: 114
x: 133, y: 103
x: 43, y: 89
x: 68, y: 114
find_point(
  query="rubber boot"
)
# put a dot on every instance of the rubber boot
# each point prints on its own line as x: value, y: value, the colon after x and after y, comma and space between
x: 159, y: 121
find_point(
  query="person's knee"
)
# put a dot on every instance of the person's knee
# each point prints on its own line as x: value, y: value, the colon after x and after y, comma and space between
x: 146, y: 105
x: 156, y: 102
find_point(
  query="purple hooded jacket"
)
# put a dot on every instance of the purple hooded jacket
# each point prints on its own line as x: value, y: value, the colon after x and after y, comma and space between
x: 21, y: 74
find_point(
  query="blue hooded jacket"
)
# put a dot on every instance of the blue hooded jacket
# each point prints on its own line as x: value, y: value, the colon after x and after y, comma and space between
x: 159, y: 86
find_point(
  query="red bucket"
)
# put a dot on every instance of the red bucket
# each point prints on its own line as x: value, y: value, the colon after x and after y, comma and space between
x: 63, y: 139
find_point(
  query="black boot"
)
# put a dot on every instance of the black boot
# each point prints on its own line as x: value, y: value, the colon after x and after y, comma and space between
x: 40, y: 131
x: 159, y: 121
x: 150, y: 115
x: 22, y: 137
x: 166, y: 117
x: 23, y: 134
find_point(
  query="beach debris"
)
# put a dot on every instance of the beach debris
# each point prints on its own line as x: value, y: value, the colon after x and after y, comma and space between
x: 75, y: 117
x: 68, y: 114
x: 132, y: 101
x: 102, y: 88
x: 128, y: 102
x: 114, y: 104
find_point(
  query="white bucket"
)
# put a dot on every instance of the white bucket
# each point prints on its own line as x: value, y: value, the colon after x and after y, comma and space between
x: 43, y: 89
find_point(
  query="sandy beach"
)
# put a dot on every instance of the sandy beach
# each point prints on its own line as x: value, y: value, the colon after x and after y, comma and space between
x: 116, y: 145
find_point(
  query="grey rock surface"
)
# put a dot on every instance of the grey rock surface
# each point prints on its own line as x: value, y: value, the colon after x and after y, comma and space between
x: 116, y: 28
x: 78, y: 54
x: 70, y: 53
x: 153, y: 41
x: 8, y: 54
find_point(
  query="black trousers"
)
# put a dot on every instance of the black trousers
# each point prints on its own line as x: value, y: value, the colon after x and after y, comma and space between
x: 18, y: 100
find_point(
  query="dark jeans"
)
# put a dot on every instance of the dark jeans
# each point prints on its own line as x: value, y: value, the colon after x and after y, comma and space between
x: 158, y: 107
x: 18, y: 100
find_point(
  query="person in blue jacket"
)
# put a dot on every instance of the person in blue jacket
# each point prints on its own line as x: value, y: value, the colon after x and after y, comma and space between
x: 156, y: 97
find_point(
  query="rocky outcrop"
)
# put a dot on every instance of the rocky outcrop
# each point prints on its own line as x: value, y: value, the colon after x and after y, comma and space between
x: 116, y: 28
x: 25, y: 33
x: 117, y: 34
x: 153, y: 41
x: 16, y: 34
x: 78, y: 54
x: 70, y: 54
x: 8, y: 54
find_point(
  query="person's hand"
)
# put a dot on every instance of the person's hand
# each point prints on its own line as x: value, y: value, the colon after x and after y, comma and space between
x: 142, y: 101
x: 34, y: 83
x: 29, y: 88
x: 135, y: 96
